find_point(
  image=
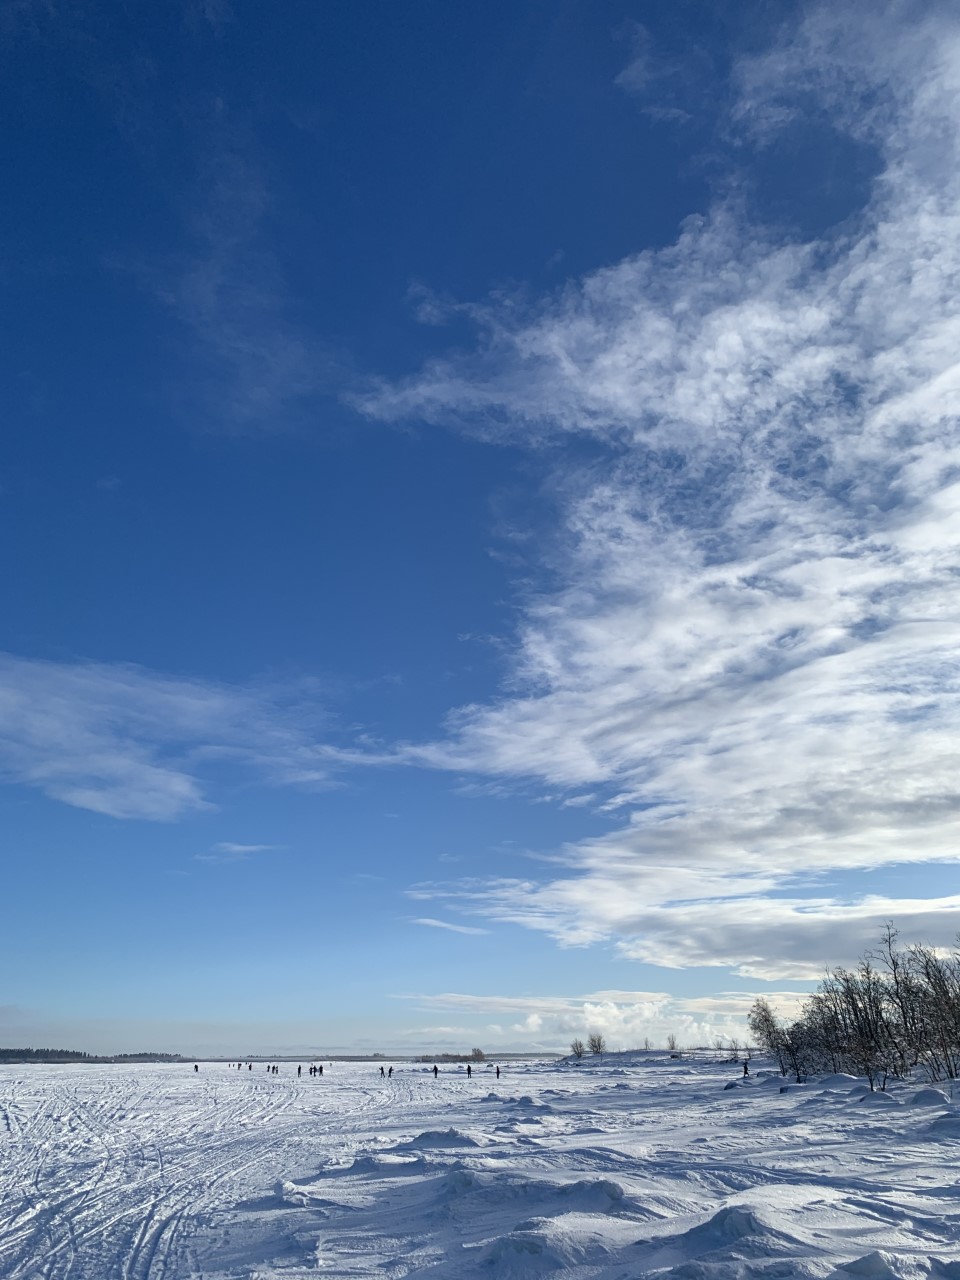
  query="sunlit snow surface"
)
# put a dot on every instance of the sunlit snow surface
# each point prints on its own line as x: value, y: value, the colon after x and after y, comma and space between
x: 639, y: 1166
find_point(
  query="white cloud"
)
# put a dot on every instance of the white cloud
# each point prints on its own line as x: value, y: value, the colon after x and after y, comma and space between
x: 445, y: 924
x: 626, y: 1018
x: 130, y: 743
x: 230, y: 851
x: 229, y: 846
x: 753, y: 650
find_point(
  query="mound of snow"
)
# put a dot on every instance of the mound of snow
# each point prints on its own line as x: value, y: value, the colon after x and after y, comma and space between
x: 719, y: 1246
x: 874, y: 1266
x: 840, y: 1080
x: 879, y: 1099
x: 565, y: 1243
x: 588, y: 1195
x: 531, y: 1104
x: 732, y: 1223
x: 459, y: 1182
x: 523, y: 1253
x: 591, y: 1195
x: 929, y: 1098
x: 432, y: 1138
x: 386, y: 1164
x: 945, y: 1126
x: 290, y: 1193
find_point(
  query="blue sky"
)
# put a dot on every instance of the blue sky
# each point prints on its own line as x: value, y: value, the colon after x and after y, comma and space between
x: 479, y: 507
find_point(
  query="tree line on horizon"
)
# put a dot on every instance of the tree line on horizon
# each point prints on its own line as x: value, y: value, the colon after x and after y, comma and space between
x: 77, y: 1055
x: 597, y: 1045
x: 896, y: 1013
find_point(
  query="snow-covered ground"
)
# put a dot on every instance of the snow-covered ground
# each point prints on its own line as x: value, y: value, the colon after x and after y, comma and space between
x: 639, y: 1166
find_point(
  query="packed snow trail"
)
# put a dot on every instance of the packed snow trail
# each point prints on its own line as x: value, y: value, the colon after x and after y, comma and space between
x: 638, y: 1166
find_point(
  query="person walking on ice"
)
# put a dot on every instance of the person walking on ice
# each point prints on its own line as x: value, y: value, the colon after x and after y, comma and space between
x: 436, y: 1071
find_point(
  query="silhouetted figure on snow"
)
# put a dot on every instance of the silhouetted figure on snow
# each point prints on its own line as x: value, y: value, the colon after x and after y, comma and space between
x: 436, y: 1071
x: 390, y: 1073
x: 321, y: 1068
x: 196, y: 1067
x: 498, y: 1073
x: 469, y: 1070
x: 746, y: 1070
x: 383, y: 1074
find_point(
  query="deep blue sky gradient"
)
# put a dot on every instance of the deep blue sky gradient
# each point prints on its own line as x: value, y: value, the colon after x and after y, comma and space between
x: 219, y: 225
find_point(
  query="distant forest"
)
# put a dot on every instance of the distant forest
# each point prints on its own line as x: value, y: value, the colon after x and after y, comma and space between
x: 74, y: 1055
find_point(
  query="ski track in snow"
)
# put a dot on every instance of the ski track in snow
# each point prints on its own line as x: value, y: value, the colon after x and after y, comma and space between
x: 637, y: 1166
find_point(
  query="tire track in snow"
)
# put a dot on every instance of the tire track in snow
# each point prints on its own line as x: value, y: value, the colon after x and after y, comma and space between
x: 108, y: 1173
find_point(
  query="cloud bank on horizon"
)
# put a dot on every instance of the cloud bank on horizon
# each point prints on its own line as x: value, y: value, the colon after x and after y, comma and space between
x: 752, y: 651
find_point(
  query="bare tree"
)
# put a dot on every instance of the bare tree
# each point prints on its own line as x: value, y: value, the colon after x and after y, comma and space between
x: 596, y: 1042
x: 477, y: 1055
x: 646, y: 1042
x: 768, y: 1030
x: 718, y: 1044
x: 672, y: 1044
x: 577, y: 1047
x: 897, y: 1012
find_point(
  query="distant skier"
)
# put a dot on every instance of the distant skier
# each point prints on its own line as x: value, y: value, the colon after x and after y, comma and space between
x: 436, y: 1071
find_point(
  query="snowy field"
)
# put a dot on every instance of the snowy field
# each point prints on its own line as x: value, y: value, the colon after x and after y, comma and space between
x: 637, y: 1167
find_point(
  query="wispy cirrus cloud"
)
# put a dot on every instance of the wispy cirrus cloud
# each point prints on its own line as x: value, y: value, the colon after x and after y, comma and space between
x: 753, y: 646
x: 124, y: 741
x: 255, y: 367
x: 446, y: 924
x: 229, y: 851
